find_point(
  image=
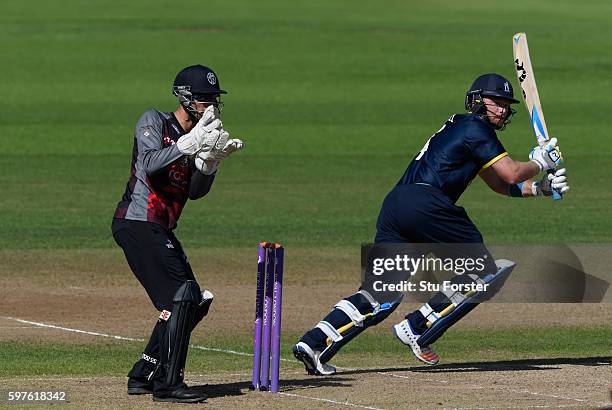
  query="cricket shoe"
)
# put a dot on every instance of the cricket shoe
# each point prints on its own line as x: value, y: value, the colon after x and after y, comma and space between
x: 311, y: 361
x: 138, y: 385
x: 403, y: 331
x: 183, y: 394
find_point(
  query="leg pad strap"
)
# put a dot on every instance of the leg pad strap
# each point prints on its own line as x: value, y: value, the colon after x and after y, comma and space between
x: 351, y: 311
x: 454, y: 312
x: 329, y: 331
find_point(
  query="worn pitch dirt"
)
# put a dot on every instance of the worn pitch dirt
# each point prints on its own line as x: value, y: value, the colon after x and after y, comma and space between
x: 95, y: 291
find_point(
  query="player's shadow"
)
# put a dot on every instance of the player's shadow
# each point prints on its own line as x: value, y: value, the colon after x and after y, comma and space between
x: 222, y: 389
x: 315, y: 382
x: 495, y: 366
x: 240, y: 388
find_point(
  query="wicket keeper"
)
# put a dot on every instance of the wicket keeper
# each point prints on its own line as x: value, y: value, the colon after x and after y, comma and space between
x: 175, y: 157
x: 421, y: 209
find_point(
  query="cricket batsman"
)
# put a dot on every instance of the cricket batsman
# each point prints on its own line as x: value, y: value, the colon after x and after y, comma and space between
x: 421, y: 209
x: 175, y: 157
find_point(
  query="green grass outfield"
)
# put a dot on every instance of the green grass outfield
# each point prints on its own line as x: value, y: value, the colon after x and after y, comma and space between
x: 369, y: 350
x: 333, y: 100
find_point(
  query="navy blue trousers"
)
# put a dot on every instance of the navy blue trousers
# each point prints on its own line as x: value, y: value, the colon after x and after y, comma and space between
x: 423, y: 214
x: 418, y: 213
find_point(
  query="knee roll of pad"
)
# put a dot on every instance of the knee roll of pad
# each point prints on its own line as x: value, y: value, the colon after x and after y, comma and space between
x: 203, y: 307
x: 189, y: 292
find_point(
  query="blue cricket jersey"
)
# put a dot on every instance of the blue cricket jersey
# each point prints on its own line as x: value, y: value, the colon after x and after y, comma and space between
x: 453, y: 156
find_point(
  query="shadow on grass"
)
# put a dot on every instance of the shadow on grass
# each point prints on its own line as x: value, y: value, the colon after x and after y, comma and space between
x: 239, y: 388
x: 495, y: 366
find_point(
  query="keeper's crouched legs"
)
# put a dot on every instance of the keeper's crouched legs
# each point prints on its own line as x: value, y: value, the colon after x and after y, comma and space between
x: 189, y: 306
x: 141, y: 375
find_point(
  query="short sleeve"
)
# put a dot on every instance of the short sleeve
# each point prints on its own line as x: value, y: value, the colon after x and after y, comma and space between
x: 482, y: 142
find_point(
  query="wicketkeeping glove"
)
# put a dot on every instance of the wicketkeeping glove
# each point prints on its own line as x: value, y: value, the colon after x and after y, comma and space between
x: 204, y: 135
x: 206, y: 167
x: 207, y: 162
x: 547, y: 156
x: 222, y: 149
x: 231, y: 146
x: 556, y: 181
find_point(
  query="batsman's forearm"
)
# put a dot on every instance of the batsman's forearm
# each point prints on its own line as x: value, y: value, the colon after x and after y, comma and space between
x: 525, y: 170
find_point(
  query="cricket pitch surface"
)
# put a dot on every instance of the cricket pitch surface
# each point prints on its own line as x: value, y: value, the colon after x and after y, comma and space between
x: 89, y: 304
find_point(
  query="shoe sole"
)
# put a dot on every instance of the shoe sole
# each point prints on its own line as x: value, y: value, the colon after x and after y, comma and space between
x: 134, y: 391
x: 419, y: 358
x: 305, y: 359
x: 176, y: 400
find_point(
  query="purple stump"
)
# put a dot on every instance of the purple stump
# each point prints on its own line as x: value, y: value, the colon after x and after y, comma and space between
x: 261, y: 263
x: 267, y: 316
x: 276, y: 317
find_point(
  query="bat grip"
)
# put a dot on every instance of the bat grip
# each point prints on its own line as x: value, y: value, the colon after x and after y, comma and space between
x: 555, y: 194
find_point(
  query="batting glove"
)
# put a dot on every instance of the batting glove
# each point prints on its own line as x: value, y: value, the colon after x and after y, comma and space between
x: 554, y: 181
x: 548, y: 156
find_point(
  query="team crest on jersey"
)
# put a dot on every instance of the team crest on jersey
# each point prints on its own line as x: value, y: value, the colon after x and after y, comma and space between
x: 211, y: 78
x: 506, y: 87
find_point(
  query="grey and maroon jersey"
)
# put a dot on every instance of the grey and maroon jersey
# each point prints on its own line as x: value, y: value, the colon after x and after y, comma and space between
x: 161, y: 179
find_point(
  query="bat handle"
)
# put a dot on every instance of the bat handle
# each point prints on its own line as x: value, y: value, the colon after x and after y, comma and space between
x: 555, y: 194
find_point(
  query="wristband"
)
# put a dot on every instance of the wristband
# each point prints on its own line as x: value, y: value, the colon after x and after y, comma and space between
x: 516, y: 190
x: 539, y: 164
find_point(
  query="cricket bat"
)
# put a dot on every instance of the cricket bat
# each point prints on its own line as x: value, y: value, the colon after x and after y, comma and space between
x: 529, y: 89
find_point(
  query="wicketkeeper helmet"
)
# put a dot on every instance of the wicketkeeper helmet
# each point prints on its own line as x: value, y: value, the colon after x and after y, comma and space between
x: 197, y: 83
